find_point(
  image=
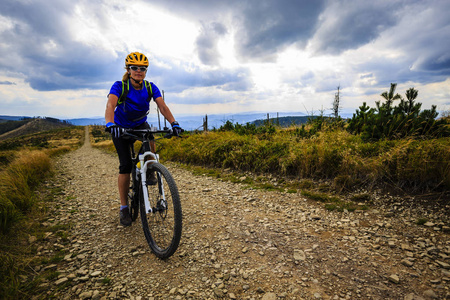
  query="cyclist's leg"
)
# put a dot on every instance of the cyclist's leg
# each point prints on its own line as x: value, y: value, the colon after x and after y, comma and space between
x: 124, y: 186
x: 153, y: 146
x: 125, y: 166
x: 124, y: 153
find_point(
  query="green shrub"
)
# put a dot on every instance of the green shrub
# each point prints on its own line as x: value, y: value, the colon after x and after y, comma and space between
x: 393, y: 122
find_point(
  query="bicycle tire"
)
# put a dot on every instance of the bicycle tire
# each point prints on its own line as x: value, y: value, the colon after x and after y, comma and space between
x: 133, y: 196
x: 162, y: 227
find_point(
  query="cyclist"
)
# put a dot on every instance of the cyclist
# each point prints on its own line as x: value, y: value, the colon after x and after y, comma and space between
x: 131, y: 112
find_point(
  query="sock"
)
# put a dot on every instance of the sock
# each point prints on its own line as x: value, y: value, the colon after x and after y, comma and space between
x: 123, y: 206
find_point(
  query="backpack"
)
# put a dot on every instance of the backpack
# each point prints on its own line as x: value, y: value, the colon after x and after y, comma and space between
x: 126, y: 88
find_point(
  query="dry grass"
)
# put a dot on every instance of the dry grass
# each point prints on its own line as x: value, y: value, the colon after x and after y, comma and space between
x: 25, y: 163
x: 419, y: 165
x: 17, y: 183
x: 107, y: 146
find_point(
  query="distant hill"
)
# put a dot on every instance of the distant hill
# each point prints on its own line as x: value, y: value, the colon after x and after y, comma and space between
x: 8, y: 125
x: 285, y: 121
x: 188, y: 122
x: 4, y: 118
x: 29, y: 126
x: 87, y: 121
x: 191, y: 122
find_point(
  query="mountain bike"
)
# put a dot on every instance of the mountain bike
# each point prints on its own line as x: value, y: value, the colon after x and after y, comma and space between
x: 154, y: 192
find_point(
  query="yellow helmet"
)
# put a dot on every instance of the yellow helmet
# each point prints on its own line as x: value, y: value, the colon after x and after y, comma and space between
x: 136, y: 59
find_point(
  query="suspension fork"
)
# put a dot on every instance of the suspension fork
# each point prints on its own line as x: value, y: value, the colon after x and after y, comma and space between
x: 147, y: 206
x: 145, y: 164
x: 161, y: 192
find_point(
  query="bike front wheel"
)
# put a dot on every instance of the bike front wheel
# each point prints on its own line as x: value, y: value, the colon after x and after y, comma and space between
x: 133, y: 196
x: 163, y: 225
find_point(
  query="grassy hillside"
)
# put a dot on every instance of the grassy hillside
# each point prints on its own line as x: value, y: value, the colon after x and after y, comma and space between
x: 12, y: 129
x: 335, y: 155
x: 301, y: 154
x: 7, y: 125
x: 25, y: 162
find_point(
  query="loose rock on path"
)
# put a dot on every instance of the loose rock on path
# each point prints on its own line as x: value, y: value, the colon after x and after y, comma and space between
x: 238, y: 243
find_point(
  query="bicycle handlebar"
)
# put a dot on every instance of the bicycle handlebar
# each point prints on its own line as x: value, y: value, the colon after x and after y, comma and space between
x: 141, y: 134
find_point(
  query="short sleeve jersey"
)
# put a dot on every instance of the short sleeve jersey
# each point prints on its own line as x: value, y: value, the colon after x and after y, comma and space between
x: 132, y: 111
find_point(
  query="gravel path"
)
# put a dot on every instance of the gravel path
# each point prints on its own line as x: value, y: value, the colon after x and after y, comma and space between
x: 239, y: 244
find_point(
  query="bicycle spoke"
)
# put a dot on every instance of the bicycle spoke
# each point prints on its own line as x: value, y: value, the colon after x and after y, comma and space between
x: 162, y: 227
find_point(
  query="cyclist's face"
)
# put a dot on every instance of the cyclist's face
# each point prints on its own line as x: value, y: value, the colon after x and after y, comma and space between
x: 137, y: 73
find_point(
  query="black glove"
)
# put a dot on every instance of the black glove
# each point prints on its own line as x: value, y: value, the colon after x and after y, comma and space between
x: 176, y: 129
x: 115, y: 130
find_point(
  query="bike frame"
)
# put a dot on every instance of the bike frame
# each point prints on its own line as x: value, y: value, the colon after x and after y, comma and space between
x: 144, y: 163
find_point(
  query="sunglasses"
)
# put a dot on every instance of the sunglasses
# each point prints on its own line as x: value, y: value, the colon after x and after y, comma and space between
x: 135, y: 68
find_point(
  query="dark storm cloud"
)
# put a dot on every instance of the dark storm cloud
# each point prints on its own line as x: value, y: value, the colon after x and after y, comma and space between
x: 350, y: 24
x: 422, y: 37
x: 39, y: 47
x: 42, y: 17
x: 269, y: 26
x: 429, y: 39
x: 263, y: 27
x: 80, y: 67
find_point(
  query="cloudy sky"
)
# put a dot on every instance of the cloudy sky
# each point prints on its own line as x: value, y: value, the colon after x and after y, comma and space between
x: 59, y: 58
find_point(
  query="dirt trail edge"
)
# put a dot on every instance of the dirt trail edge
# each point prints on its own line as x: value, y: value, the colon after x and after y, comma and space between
x: 239, y: 243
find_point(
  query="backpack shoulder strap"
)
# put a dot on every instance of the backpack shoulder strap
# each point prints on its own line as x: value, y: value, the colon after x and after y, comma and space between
x: 125, y: 88
x: 148, y: 85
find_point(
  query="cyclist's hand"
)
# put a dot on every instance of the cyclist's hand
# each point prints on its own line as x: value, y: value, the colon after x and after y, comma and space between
x: 176, y: 129
x: 115, y: 130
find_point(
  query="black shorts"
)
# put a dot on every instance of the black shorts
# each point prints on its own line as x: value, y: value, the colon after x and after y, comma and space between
x: 123, y: 148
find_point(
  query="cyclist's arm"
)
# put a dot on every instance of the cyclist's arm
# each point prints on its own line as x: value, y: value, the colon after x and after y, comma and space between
x: 164, y: 109
x: 110, y: 107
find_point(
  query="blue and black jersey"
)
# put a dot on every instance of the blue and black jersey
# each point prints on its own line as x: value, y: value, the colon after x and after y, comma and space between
x: 133, y: 110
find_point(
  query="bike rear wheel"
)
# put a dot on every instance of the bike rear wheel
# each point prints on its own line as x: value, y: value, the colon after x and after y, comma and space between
x: 162, y: 227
